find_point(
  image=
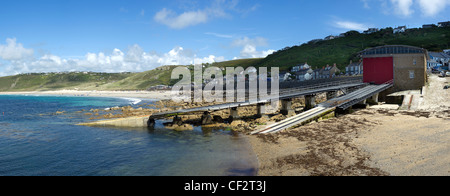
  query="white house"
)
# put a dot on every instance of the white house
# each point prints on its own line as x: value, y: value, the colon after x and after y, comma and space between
x: 300, y: 67
x: 304, y: 75
x: 371, y: 30
x: 354, y: 68
x: 285, y: 76
x: 444, y: 24
x: 331, y: 37
x: 439, y: 57
x: 295, y: 68
x: 400, y: 29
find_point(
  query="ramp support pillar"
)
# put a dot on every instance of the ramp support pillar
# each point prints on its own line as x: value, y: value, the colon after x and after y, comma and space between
x: 234, y: 115
x: 262, y: 110
x: 286, y: 107
x: 375, y: 98
x: 310, y: 102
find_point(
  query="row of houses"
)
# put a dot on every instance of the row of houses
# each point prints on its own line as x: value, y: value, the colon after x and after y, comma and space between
x: 305, y: 72
x: 354, y: 69
x: 159, y: 87
x: 440, y: 24
x: 439, y: 60
x: 402, y: 29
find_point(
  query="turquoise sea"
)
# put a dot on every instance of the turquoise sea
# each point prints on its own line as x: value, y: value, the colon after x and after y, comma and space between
x: 35, y: 141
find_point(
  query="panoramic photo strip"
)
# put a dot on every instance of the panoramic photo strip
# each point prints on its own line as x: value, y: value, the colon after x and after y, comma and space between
x: 222, y: 96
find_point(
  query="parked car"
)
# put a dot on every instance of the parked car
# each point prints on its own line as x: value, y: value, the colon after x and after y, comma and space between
x: 447, y: 74
x: 442, y: 74
x: 447, y: 87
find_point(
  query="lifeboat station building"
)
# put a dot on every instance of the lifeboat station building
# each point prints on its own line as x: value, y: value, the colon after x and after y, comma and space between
x: 406, y: 66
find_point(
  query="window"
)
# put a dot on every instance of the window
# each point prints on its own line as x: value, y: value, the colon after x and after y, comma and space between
x: 414, y: 62
x: 411, y: 74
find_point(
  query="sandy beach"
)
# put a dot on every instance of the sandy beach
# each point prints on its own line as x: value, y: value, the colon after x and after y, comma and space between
x: 158, y: 95
x: 378, y: 141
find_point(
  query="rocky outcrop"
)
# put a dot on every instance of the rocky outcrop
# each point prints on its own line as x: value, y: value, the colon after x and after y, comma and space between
x: 183, y: 127
x: 238, y: 125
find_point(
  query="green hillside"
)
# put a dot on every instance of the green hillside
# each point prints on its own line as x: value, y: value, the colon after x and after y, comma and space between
x: 342, y: 50
x: 239, y: 63
x: 143, y: 80
x: 54, y: 81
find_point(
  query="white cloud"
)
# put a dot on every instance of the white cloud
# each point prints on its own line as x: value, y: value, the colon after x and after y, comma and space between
x: 14, y: 51
x: 249, y: 47
x: 216, y: 9
x: 219, y: 35
x: 186, y: 19
x: 431, y: 8
x: 250, y: 51
x: 258, y: 41
x: 406, y: 8
x: 348, y: 25
x: 134, y: 59
x: 403, y: 7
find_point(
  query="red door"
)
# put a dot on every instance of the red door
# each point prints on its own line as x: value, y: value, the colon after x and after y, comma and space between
x: 378, y: 70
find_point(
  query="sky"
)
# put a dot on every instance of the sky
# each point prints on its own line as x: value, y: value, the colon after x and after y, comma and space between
x: 140, y: 35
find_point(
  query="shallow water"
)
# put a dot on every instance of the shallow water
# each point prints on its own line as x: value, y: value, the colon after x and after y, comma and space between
x: 34, y: 140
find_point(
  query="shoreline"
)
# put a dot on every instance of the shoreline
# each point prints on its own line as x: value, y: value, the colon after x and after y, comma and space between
x: 145, y: 95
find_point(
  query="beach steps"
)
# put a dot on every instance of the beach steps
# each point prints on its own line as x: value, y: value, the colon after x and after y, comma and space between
x: 130, y: 122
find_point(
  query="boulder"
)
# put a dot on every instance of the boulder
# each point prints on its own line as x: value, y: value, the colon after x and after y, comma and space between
x: 184, y: 127
x: 238, y: 125
x: 115, y: 108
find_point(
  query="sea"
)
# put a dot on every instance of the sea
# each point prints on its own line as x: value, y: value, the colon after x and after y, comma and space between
x: 39, y: 136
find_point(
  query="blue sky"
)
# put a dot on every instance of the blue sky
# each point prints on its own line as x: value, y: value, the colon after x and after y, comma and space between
x: 139, y: 35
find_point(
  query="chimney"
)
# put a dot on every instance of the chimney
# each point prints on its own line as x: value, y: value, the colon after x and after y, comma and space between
x: 351, y: 62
